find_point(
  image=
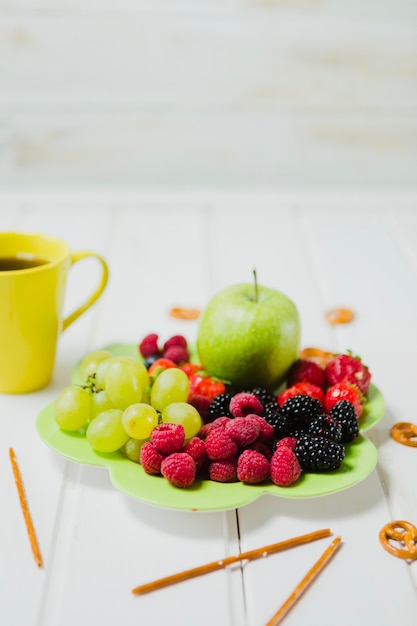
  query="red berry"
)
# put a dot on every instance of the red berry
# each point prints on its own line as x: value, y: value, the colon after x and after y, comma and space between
x: 346, y: 368
x: 266, y: 431
x: 149, y: 346
x: 196, y: 448
x: 252, y: 467
x: 244, y: 403
x: 179, y: 469
x: 190, y: 368
x: 219, y: 422
x: 285, y: 468
x: 305, y: 371
x: 168, y: 438
x: 344, y: 391
x: 175, y: 340
x: 288, y: 442
x: 150, y: 458
x: 243, y: 430
x: 178, y: 354
x: 224, y: 471
x: 305, y: 389
x: 201, y: 403
x: 219, y: 445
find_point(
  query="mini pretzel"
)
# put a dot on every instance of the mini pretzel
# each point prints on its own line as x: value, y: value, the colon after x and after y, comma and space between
x: 339, y: 316
x: 403, y: 533
x: 405, y: 433
x: 317, y: 355
x: 182, y: 313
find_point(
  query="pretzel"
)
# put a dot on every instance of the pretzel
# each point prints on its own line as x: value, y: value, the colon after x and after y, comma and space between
x: 317, y: 355
x: 403, y: 533
x: 405, y: 433
x: 339, y: 316
x: 183, y: 313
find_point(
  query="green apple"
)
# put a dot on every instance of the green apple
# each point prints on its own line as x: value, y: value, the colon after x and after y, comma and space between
x: 249, y: 335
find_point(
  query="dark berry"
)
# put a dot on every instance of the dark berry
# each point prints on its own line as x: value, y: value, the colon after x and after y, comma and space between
x: 283, y: 425
x: 326, y: 426
x: 344, y: 412
x: 150, y: 360
x: 318, y: 454
x: 301, y: 410
x: 219, y: 406
x: 265, y: 396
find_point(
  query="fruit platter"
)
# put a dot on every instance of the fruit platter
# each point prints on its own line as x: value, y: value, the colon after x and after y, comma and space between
x: 180, y: 426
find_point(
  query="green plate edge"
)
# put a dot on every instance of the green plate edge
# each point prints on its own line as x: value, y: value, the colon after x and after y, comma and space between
x: 205, y: 495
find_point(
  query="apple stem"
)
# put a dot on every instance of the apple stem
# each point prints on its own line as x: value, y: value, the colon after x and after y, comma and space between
x: 255, y: 280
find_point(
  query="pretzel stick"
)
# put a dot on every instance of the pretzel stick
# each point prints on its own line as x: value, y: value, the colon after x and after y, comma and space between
x: 305, y: 582
x: 25, y: 509
x: 222, y: 563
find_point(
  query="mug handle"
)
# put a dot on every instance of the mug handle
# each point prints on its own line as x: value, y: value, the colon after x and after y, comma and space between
x: 75, y: 257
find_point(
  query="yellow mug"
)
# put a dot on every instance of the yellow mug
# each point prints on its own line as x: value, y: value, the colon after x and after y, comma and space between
x: 33, y: 275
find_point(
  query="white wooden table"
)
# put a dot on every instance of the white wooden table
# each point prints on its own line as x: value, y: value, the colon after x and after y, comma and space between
x: 347, y: 249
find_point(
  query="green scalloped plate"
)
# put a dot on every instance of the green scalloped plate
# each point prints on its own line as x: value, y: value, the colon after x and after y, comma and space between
x: 205, y: 495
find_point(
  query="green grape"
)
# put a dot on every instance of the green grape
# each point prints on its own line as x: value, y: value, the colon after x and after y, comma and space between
x: 132, y: 448
x: 185, y: 414
x: 100, y: 402
x: 122, y: 379
x: 172, y: 385
x: 72, y: 407
x: 139, y: 420
x: 106, y: 433
x: 91, y: 361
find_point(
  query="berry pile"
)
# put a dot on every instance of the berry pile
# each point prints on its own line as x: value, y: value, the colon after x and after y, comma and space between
x: 253, y: 436
x: 167, y: 414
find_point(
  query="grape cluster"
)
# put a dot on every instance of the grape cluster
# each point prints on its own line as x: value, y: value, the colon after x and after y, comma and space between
x: 119, y: 404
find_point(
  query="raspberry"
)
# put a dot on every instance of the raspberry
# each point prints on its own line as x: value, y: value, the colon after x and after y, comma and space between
x: 220, y: 422
x: 305, y: 371
x: 150, y: 458
x: 202, y: 404
x: 287, y: 442
x: 224, y: 471
x: 261, y: 447
x: 244, y: 403
x: 178, y: 354
x: 285, y: 467
x: 219, y: 445
x: 243, y: 430
x: 266, y: 431
x: 168, y: 438
x: 175, y: 340
x: 196, y: 448
x: 252, y: 467
x: 179, y: 469
x: 149, y: 346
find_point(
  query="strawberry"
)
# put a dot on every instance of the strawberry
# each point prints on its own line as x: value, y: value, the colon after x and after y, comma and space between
x: 206, y: 386
x: 347, y: 368
x: 304, y: 370
x: 344, y: 391
x: 303, y: 388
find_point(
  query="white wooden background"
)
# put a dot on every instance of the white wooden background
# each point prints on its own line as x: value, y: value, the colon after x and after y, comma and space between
x: 206, y: 93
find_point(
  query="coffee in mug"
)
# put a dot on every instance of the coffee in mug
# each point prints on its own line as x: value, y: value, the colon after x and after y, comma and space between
x: 33, y: 275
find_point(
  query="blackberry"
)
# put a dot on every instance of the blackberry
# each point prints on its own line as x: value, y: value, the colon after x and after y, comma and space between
x: 344, y: 412
x: 263, y: 395
x: 318, y: 454
x: 219, y: 406
x: 326, y: 426
x: 301, y: 410
x: 283, y: 426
